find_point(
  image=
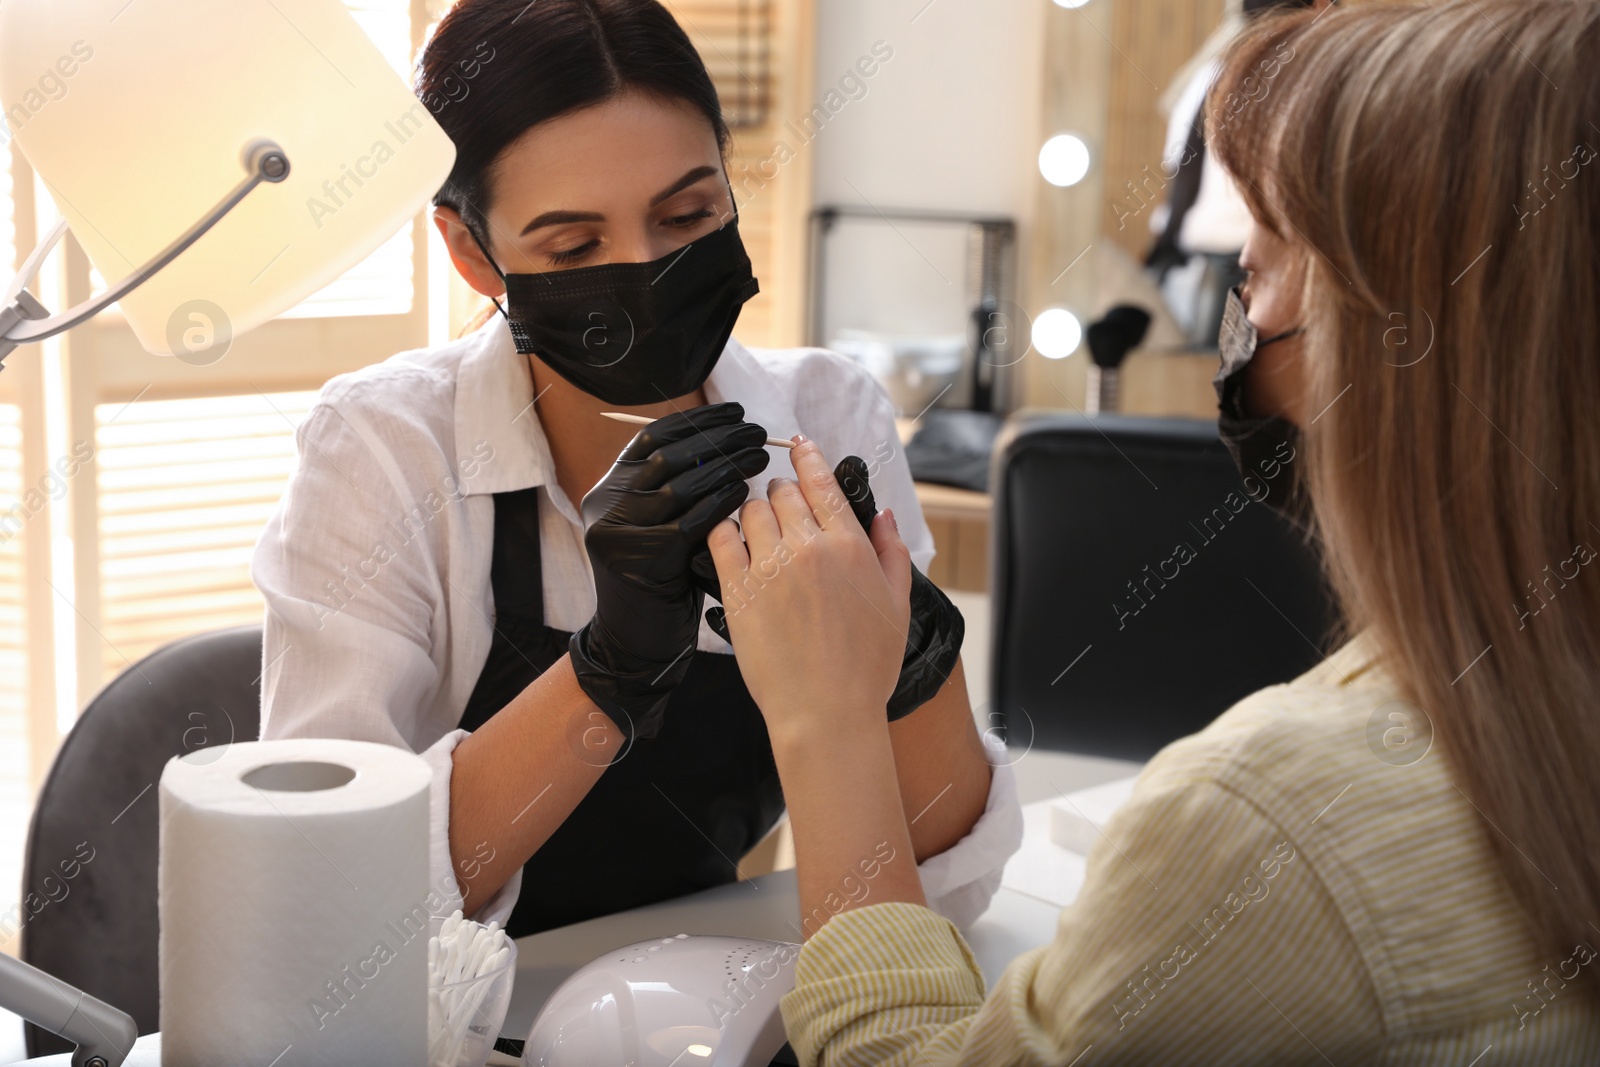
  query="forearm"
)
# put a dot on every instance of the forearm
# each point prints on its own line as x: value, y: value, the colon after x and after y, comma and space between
x: 519, y: 775
x: 852, y: 845
x: 941, y: 768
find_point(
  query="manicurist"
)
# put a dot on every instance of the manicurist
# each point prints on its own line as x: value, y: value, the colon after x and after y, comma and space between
x: 473, y: 563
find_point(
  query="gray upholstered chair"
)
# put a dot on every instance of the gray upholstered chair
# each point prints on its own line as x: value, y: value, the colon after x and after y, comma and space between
x: 99, y: 801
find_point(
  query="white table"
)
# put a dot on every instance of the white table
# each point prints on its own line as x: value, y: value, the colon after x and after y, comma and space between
x: 1040, y: 880
x: 765, y: 907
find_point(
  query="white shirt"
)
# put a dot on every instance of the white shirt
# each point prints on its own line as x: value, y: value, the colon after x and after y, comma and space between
x: 375, y: 566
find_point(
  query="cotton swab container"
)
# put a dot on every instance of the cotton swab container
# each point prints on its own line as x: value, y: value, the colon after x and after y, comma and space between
x: 471, y: 968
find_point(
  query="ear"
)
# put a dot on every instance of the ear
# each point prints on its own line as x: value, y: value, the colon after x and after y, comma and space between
x: 465, y: 253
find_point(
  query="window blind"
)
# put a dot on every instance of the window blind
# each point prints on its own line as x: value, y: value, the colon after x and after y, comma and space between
x: 185, y: 487
x: 381, y: 284
x: 15, y: 797
x: 13, y: 661
x: 734, y: 39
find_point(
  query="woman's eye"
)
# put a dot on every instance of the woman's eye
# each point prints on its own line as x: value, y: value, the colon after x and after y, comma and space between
x: 690, y: 219
x: 572, y: 255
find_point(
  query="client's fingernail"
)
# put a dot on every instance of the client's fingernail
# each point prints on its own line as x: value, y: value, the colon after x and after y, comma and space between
x: 799, y: 438
x: 892, y: 520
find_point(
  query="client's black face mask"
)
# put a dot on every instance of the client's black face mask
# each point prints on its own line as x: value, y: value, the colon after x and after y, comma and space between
x: 634, y: 333
x: 1266, y: 450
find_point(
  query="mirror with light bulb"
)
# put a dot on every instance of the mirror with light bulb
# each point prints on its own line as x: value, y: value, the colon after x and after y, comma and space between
x: 993, y: 223
x: 1130, y: 265
x: 1078, y: 122
x: 1132, y: 217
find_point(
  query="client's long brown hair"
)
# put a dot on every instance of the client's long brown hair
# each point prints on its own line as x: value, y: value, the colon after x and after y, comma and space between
x: 1437, y: 165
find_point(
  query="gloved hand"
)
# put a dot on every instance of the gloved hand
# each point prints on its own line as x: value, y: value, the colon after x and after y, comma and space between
x: 646, y: 519
x: 933, y: 642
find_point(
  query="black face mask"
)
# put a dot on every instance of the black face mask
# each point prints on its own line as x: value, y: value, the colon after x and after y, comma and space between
x: 634, y: 333
x: 1266, y: 450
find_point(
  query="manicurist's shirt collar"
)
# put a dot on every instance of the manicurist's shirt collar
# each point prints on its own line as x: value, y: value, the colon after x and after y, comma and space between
x: 495, y: 404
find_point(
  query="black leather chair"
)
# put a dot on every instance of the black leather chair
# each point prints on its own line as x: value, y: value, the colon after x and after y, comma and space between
x: 1107, y: 639
x: 100, y: 934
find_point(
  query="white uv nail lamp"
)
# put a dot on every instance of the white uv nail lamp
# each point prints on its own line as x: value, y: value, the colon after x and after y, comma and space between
x: 671, y: 1002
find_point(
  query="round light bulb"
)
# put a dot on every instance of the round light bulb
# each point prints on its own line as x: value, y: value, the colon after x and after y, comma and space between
x: 1064, y: 160
x: 1071, y: 3
x: 1056, y: 333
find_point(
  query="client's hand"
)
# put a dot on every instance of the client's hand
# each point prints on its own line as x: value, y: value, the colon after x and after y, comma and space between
x: 818, y: 611
x: 933, y: 638
x: 649, y: 515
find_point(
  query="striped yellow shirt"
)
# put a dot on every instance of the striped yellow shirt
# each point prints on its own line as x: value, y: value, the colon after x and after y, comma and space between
x: 1300, y: 882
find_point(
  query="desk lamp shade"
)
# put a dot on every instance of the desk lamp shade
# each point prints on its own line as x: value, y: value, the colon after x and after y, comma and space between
x: 137, y: 115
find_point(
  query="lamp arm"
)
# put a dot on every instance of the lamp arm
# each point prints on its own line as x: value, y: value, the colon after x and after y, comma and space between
x: 24, y: 320
x: 103, y: 1034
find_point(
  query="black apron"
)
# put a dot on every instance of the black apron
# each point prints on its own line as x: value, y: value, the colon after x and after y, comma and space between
x: 676, y: 812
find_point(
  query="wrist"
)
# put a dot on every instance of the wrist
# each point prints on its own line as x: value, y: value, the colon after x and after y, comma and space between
x: 800, y: 739
x: 631, y: 694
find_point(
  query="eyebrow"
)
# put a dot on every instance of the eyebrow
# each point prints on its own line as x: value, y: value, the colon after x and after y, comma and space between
x: 558, y: 218
x: 698, y: 174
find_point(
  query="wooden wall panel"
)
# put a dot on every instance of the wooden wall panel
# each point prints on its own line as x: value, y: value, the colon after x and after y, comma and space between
x: 1107, y: 64
x: 1152, y: 39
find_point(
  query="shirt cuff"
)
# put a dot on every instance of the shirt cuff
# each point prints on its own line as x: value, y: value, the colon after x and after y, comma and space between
x: 960, y: 882
x: 446, y: 897
x: 874, y: 960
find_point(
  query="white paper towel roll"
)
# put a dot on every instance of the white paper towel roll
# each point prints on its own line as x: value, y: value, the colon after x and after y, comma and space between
x: 294, y: 930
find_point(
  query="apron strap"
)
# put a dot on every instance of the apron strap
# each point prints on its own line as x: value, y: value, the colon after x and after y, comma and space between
x: 521, y: 647
x: 515, y: 572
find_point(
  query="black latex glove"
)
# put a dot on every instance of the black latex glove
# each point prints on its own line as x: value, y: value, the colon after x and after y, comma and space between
x: 933, y: 641
x: 646, y: 519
